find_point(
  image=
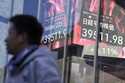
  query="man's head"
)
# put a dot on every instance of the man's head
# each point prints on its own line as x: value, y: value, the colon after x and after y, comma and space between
x: 24, y: 30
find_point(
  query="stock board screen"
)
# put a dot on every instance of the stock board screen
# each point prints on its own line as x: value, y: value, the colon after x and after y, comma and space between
x: 112, y: 34
x: 55, y: 17
x: 54, y: 20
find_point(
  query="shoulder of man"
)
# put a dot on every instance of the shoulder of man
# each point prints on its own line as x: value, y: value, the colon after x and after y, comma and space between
x: 43, y: 66
x: 40, y: 54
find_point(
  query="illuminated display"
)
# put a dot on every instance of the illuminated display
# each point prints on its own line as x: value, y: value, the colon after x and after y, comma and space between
x: 54, y: 20
x: 112, y: 35
x: 108, y: 34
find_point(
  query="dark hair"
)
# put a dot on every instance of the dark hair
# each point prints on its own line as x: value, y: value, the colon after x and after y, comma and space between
x: 30, y: 25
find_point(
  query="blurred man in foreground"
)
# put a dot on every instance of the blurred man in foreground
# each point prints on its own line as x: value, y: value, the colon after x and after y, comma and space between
x: 30, y: 63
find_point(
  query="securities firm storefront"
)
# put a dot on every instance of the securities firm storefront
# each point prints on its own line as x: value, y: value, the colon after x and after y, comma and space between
x: 71, y: 31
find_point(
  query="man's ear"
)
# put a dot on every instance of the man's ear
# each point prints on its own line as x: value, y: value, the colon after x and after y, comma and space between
x: 23, y: 38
